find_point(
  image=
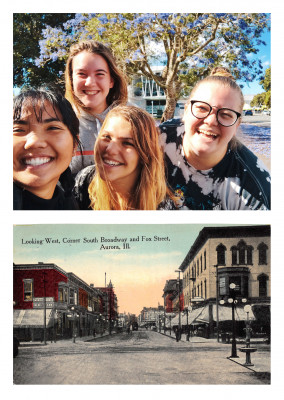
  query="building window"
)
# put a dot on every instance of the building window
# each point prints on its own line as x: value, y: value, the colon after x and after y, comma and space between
x: 197, y: 267
x: 221, y: 254
x: 201, y: 289
x: 249, y: 255
x: 73, y: 296
x: 262, y: 254
x: 201, y: 264
x: 62, y: 294
x: 204, y: 260
x: 28, y: 289
x: 205, y: 289
x: 242, y: 254
x: 234, y: 251
x: 262, y: 282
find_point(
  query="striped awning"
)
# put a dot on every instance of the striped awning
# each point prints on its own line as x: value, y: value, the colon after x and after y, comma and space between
x: 32, y: 318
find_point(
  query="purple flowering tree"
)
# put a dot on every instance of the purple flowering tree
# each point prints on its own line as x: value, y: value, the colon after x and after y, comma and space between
x: 187, y: 45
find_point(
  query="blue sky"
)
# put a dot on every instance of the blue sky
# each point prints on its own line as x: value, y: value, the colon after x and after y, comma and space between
x: 265, y: 55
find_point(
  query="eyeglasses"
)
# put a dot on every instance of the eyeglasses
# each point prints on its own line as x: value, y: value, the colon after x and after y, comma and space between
x: 225, y: 116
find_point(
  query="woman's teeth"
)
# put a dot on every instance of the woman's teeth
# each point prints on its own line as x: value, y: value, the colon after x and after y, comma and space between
x: 36, y: 161
x: 113, y: 163
x: 208, y: 133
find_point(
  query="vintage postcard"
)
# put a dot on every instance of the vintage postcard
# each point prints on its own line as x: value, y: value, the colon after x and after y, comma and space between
x: 141, y: 304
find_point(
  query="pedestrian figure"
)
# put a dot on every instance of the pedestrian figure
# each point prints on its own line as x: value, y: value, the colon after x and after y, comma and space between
x: 178, y: 334
x: 128, y: 330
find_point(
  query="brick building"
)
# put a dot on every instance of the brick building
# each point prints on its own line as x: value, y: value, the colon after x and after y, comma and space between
x: 51, y: 303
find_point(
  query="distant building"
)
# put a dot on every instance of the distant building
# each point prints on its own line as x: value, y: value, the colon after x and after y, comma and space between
x: 150, y: 316
x: 173, y: 295
x: 145, y: 93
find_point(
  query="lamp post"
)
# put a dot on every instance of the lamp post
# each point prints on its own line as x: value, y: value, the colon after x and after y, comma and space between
x: 74, y: 325
x: 233, y: 301
x: 217, y: 301
x: 187, y: 310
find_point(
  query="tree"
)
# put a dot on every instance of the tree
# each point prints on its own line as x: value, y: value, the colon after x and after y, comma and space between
x: 258, y: 100
x: 188, y: 45
x: 27, y: 32
x: 264, y: 99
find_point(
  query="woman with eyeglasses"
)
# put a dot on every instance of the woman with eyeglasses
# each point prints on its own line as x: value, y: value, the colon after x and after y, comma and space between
x: 206, y: 165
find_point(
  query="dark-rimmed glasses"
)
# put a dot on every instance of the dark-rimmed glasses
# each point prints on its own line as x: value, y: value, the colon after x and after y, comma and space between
x: 225, y: 116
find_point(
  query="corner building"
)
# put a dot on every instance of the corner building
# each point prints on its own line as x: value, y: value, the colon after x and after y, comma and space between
x: 221, y: 256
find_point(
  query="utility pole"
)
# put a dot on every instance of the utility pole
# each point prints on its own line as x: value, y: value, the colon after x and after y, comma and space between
x: 217, y: 301
x: 44, y: 307
x: 179, y: 315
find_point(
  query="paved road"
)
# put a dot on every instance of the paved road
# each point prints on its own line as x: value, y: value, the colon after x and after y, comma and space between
x: 257, y: 119
x: 141, y: 358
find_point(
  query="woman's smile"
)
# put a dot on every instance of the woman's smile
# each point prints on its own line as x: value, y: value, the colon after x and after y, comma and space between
x: 120, y: 159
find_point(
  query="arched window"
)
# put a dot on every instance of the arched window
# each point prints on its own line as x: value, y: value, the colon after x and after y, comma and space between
x: 242, y: 254
x: 262, y: 253
x: 221, y: 254
x: 234, y: 251
x: 262, y: 282
x: 249, y: 255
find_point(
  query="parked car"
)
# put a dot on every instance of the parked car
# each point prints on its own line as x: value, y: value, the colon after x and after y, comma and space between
x: 266, y: 112
x: 248, y: 112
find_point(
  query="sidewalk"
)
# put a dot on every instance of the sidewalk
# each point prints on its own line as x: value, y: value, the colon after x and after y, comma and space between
x: 260, y: 359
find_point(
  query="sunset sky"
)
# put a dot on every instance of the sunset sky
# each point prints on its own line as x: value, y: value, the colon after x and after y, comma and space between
x: 138, y: 274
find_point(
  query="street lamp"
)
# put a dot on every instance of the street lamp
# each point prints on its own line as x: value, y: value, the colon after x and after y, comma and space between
x: 74, y: 325
x: 217, y: 301
x: 232, y: 300
x: 187, y: 309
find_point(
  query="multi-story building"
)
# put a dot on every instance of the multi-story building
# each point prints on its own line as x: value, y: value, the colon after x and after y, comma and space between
x: 150, y: 316
x: 221, y: 256
x: 110, y: 309
x: 53, y: 303
x: 173, y: 295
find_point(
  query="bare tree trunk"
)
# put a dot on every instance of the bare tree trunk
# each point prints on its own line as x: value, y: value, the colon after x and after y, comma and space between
x: 170, y: 103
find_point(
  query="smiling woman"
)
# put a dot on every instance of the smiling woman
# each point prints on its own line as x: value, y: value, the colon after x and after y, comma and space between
x: 206, y: 165
x: 94, y: 85
x: 45, y: 134
x: 129, y: 169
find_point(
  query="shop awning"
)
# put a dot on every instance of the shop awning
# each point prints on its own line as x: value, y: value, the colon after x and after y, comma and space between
x: 201, y: 315
x: 31, y: 318
x: 192, y: 315
x: 225, y: 314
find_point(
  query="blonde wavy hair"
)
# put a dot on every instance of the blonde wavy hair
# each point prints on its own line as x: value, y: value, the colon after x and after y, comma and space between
x: 151, y: 188
x: 117, y: 94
